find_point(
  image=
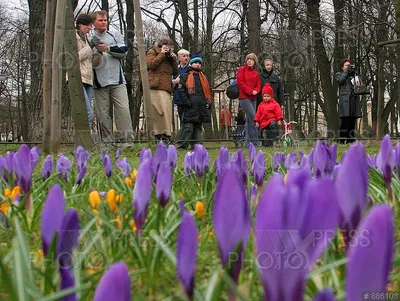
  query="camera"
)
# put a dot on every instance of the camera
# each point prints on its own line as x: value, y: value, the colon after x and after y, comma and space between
x: 352, y: 69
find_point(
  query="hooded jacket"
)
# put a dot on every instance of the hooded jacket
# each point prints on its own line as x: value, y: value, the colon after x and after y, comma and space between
x: 268, y: 111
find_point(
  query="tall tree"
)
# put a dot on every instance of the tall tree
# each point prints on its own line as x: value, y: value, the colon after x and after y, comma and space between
x: 254, y: 26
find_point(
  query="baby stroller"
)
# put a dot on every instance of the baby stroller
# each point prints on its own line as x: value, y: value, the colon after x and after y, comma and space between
x: 238, y: 135
x: 287, y: 138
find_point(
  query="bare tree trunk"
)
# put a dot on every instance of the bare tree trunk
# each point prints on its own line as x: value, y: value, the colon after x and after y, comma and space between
x: 245, y: 5
x: 55, y: 137
x: 186, y: 35
x: 36, y: 43
x: 196, y: 26
x: 77, y: 98
x: 324, y: 66
x: 48, y: 49
x: 254, y: 27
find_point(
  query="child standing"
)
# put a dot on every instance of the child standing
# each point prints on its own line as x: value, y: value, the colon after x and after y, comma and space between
x: 268, y: 117
x: 195, y: 97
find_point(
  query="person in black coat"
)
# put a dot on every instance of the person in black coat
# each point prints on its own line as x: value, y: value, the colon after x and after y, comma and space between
x: 195, y: 97
x: 349, y: 103
x: 267, y: 75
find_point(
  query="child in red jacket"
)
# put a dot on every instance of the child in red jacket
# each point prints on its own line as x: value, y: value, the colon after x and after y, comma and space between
x: 268, y: 117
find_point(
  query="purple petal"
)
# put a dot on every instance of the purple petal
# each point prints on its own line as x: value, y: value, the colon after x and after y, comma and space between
x: 222, y: 162
x: 385, y: 159
x: 325, y: 295
x: 188, y: 162
x: 52, y: 216
x: 145, y: 154
x: 160, y: 157
x: 252, y: 152
x: 63, y: 166
x: 115, y: 284
x: 201, y: 160
x: 233, y: 228
x: 34, y: 157
x: 142, y: 193
x: 371, y: 254
x: 81, y: 157
x: 258, y: 168
x: 172, y: 156
x: 124, y: 166
x: 239, y: 164
x: 164, y: 183
x: 22, y: 169
x: 290, y: 160
x: 281, y: 260
x: 117, y: 153
x: 48, y: 165
x: 186, y: 253
x: 107, y: 164
x: 352, y: 186
x: 67, y: 281
x: 81, y: 174
x: 9, y: 162
x: 68, y: 238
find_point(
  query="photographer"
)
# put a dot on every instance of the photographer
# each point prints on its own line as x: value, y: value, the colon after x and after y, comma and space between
x: 162, y: 65
x: 349, y: 103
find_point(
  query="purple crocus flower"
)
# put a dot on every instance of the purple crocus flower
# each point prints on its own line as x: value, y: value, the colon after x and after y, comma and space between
x: 352, y: 187
x: 326, y: 295
x: 258, y: 168
x: 142, y: 193
x: 117, y: 153
x: 186, y: 253
x: 107, y: 165
x: 290, y: 160
x: 34, y: 156
x: 172, y: 156
x: 371, y: 258
x: 201, y: 160
x: 145, y: 154
x: 293, y: 220
x: 371, y: 161
x: 160, y: 157
x: 231, y: 230
x: 115, y: 284
x: 102, y: 154
x: 23, y: 167
x: 188, y: 163
x: 385, y: 162
x: 48, y: 165
x: 52, y: 216
x: 252, y: 152
x: 81, y: 158
x: 9, y: 164
x: 239, y: 164
x: 124, y: 166
x: 323, y: 158
x: 222, y: 162
x: 278, y: 160
x: 63, y: 167
x: 164, y: 183
x: 397, y: 158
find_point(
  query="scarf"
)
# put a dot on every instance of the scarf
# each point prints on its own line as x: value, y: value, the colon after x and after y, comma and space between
x: 190, y: 84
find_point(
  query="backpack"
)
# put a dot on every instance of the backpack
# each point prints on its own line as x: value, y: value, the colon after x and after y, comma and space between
x: 233, y: 90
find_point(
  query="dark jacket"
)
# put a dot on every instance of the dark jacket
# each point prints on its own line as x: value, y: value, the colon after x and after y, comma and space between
x: 161, y: 68
x: 181, y: 71
x: 276, y: 84
x: 195, y: 105
x: 349, y: 104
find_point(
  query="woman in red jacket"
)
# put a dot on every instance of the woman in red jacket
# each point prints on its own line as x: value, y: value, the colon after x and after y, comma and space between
x: 249, y: 83
x: 269, y: 116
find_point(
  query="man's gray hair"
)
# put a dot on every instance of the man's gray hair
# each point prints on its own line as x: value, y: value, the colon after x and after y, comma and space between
x: 183, y: 52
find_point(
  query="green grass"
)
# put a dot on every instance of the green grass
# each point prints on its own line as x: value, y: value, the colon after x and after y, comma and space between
x: 151, y: 260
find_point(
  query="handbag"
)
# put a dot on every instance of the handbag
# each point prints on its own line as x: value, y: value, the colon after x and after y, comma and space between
x: 361, y: 89
x: 233, y: 91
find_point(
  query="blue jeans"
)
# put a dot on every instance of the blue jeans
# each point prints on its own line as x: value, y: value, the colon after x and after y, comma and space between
x: 251, y: 131
x: 88, y: 92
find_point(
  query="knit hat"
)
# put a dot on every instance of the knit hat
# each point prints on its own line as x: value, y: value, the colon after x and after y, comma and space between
x: 252, y: 56
x: 267, y: 89
x: 84, y: 19
x: 194, y: 58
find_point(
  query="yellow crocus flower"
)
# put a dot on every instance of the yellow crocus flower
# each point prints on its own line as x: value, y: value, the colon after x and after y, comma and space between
x: 94, y: 199
x: 133, y: 174
x: 129, y: 182
x: 111, y: 199
x: 5, y: 208
x: 7, y: 193
x: 200, y: 210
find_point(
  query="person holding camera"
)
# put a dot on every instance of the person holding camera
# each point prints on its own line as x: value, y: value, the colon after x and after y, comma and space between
x: 349, y: 103
x: 162, y: 65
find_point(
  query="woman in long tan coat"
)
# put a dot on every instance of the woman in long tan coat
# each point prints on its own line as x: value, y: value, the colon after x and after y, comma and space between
x: 162, y: 65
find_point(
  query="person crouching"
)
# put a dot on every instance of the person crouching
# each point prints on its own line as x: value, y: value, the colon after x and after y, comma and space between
x: 195, y: 96
x: 268, y: 116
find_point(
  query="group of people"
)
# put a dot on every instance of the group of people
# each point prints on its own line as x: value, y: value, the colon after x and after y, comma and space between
x: 260, y: 97
x: 260, y: 93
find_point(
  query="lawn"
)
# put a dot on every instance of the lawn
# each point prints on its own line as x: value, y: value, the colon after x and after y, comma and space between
x: 131, y: 223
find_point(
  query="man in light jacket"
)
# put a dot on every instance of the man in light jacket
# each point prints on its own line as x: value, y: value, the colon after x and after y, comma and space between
x: 109, y: 80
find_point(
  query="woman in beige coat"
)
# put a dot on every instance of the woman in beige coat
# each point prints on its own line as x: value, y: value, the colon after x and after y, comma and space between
x: 83, y: 26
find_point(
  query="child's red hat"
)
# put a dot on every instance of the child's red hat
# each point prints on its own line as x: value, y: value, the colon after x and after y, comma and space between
x: 267, y: 89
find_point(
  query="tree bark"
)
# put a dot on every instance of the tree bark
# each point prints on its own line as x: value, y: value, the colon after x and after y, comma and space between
x: 77, y: 98
x: 254, y: 27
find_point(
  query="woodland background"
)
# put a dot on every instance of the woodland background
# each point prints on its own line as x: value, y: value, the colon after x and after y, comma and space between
x: 307, y: 39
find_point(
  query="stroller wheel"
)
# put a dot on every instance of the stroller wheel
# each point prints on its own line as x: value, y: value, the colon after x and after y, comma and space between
x: 284, y: 143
